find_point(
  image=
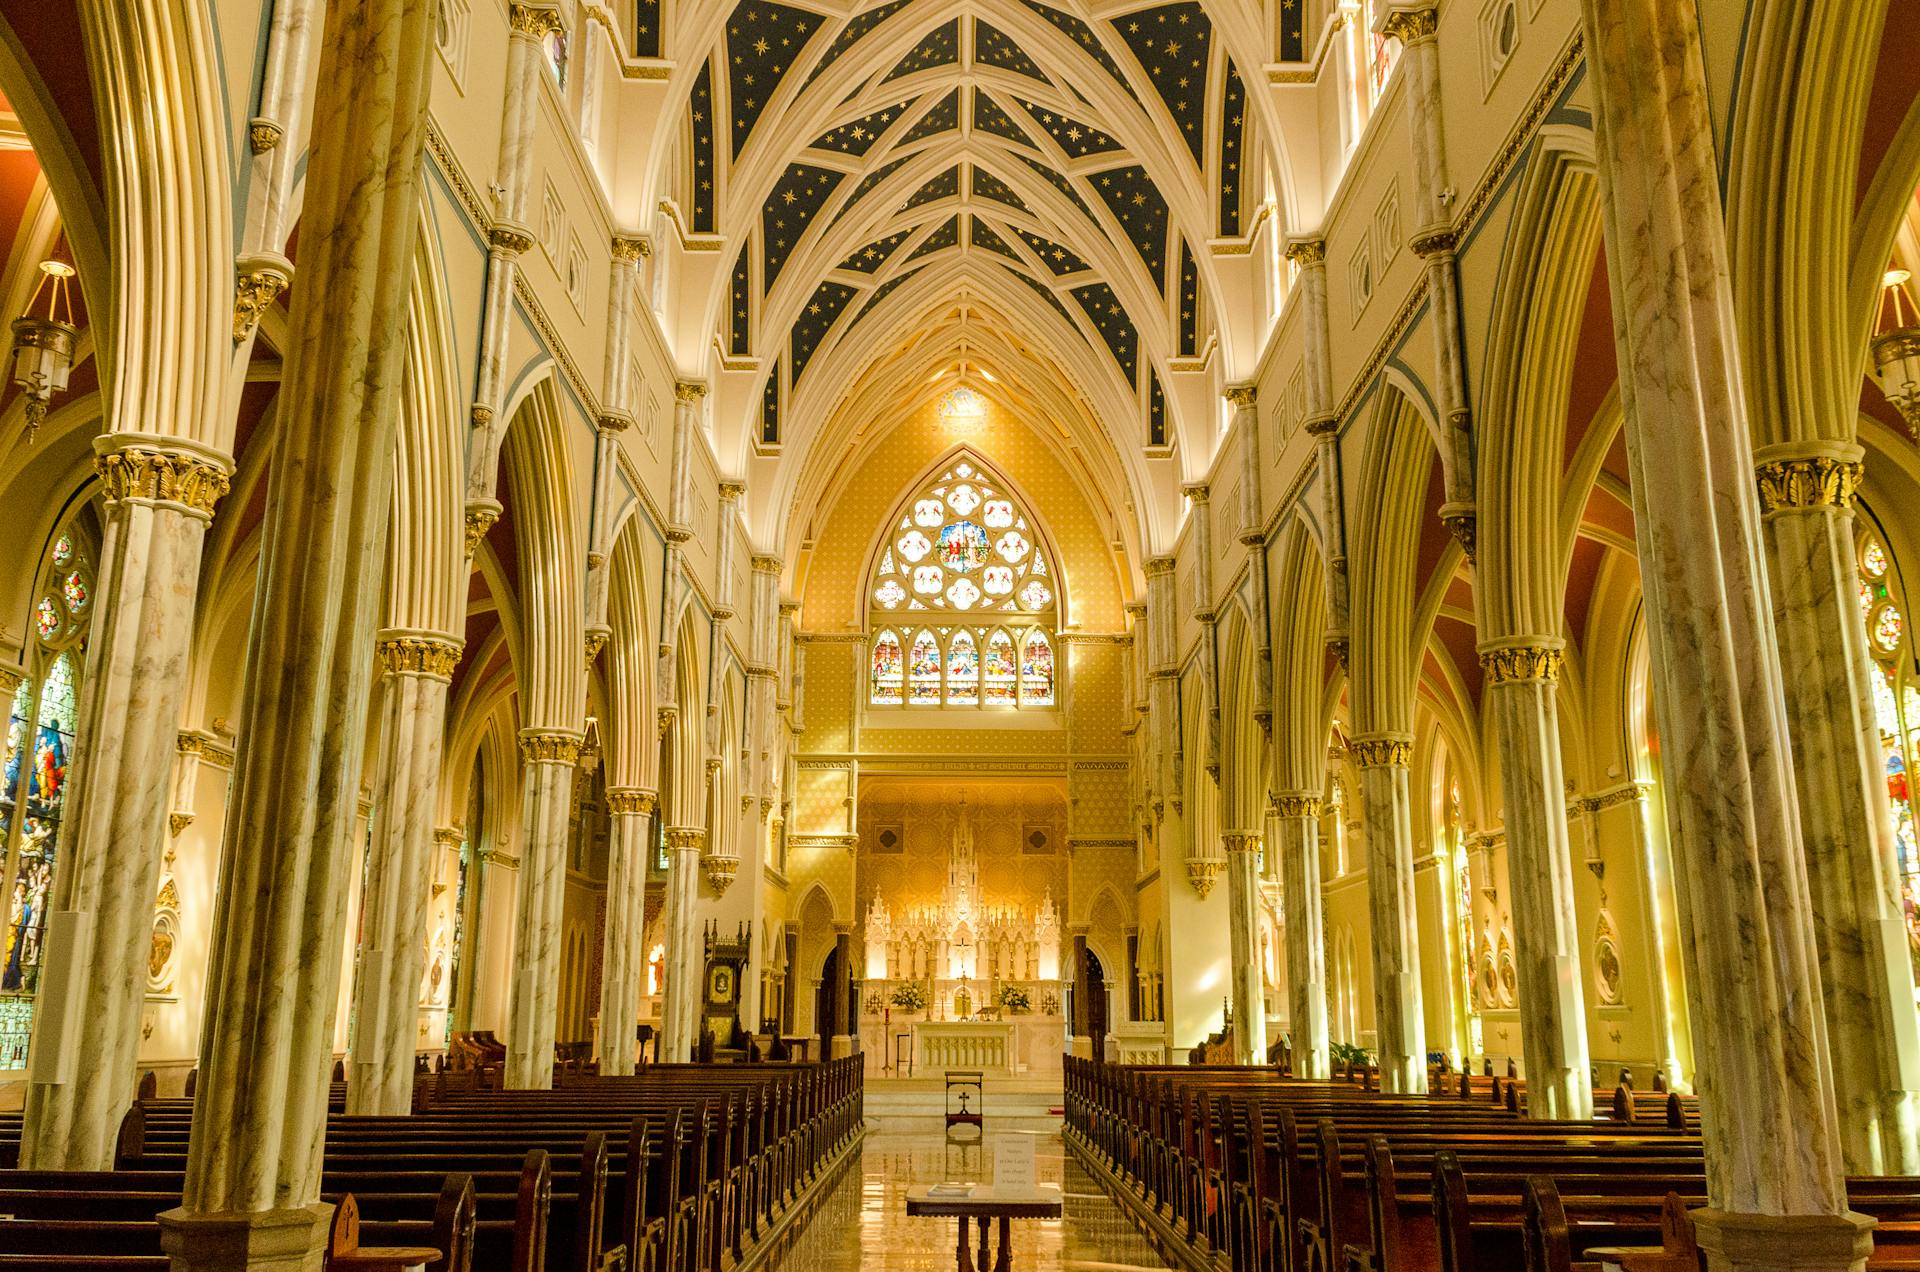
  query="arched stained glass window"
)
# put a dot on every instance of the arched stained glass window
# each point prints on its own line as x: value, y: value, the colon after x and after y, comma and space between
x: 41, y: 722
x: 964, y: 558
x: 1896, y: 710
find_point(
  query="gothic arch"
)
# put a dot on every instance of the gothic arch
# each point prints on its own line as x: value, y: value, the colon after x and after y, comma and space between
x: 1386, y: 518
x: 632, y: 730
x: 552, y: 677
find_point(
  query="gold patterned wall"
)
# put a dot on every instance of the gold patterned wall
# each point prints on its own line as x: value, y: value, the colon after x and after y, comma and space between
x: 910, y: 868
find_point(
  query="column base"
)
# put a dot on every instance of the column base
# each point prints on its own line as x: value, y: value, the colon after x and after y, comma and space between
x: 254, y: 1241
x: 1780, y: 1243
x: 1082, y: 1046
x: 842, y: 1046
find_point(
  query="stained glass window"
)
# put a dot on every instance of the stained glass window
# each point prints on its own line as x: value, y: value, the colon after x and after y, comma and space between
x: 963, y: 553
x: 1896, y: 712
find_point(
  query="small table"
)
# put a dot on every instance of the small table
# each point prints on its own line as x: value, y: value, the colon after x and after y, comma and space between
x: 984, y: 1202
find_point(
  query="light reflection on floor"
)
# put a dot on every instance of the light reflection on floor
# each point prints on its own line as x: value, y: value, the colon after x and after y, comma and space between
x: 864, y: 1224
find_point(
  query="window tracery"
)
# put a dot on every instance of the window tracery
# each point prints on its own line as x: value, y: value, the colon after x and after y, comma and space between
x: 964, y: 601
x: 33, y: 781
x: 1896, y: 711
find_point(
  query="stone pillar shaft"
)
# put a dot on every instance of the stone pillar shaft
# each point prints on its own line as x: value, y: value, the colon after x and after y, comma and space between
x: 1399, y: 1022
x: 1243, y: 913
x: 160, y: 497
x: 1297, y: 826
x: 550, y: 758
x: 685, y: 961
x: 1853, y: 867
x: 1522, y: 699
x: 252, y: 1189
x: 623, y: 960
x: 1769, y: 1124
x: 413, y: 712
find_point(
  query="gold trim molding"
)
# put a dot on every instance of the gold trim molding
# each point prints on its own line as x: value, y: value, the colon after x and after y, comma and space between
x: 1239, y: 841
x: 681, y: 837
x: 689, y: 390
x: 1296, y: 805
x: 1243, y: 395
x: 434, y: 656
x: 535, y: 21
x: 1410, y: 25
x: 133, y: 472
x: 628, y: 801
x: 1381, y: 751
x: 1511, y: 664
x: 1817, y: 482
x: 544, y: 746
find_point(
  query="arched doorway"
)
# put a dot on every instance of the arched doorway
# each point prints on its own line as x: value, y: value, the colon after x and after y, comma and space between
x: 1096, y: 1003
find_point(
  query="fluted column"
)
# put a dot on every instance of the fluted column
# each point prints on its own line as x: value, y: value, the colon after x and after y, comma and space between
x: 1522, y: 679
x: 1297, y: 825
x: 548, y: 760
x: 160, y: 496
x: 1245, y: 401
x: 1853, y: 866
x: 393, y: 925
x: 1775, y: 1172
x: 1399, y: 1021
x: 251, y: 1197
x: 685, y: 959
x: 623, y: 960
x: 1243, y: 914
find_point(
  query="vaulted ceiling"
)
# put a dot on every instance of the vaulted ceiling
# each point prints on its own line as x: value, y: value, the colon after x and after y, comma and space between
x: 999, y: 191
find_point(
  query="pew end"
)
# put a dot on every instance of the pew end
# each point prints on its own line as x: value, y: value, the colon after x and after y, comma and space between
x: 346, y: 1254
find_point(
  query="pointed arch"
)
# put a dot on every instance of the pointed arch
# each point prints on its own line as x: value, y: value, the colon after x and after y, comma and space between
x: 552, y: 677
x: 1302, y: 693
x: 633, y: 753
x: 1386, y: 516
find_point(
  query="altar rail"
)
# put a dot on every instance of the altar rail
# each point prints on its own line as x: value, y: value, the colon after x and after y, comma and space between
x: 965, y: 1045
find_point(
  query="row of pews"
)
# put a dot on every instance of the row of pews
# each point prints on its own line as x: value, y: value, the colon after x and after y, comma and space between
x: 679, y: 1168
x: 1246, y: 1169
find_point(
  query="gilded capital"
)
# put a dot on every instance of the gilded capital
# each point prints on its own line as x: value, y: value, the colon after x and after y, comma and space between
x: 1307, y: 251
x: 767, y: 563
x: 1339, y: 647
x: 1462, y: 523
x: 257, y: 283
x: 1817, y: 482
x: 689, y: 390
x: 1434, y: 241
x: 1239, y: 841
x: 10, y: 679
x: 449, y: 836
x: 1323, y: 425
x: 1411, y: 24
x: 682, y: 837
x: 720, y: 870
x: 611, y: 421
x: 1201, y: 874
x: 1197, y: 491
x: 628, y: 247
x: 549, y: 746
x: 1243, y: 395
x: 630, y: 801
x: 596, y: 641
x: 480, y: 519
x: 509, y: 237
x: 419, y: 655
x: 134, y: 472
x: 1296, y: 805
x: 730, y: 489
x: 1511, y: 663
x: 1381, y: 750
x: 534, y: 20
x: 263, y: 135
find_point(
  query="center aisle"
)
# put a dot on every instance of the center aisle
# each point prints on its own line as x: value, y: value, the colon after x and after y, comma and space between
x: 863, y: 1226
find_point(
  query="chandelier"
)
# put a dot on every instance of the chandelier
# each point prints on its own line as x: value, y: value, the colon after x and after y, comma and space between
x: 1896, y: 349
x: 43, y: 342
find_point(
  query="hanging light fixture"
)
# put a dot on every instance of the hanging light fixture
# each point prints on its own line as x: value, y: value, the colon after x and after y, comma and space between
x: 1896, y: 349
x: 43, y: 342
x: 589, y: 759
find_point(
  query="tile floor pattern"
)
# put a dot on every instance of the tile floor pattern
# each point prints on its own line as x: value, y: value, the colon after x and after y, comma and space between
x: 864, y: 1224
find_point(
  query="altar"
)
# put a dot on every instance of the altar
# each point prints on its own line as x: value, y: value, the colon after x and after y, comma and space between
x: 1015, y: 1046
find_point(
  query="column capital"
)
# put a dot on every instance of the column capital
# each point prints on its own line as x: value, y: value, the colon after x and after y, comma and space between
x: 480, y: 516
x: 689, y: 390
x: 1380, y: 750
x: 767, y: 563
x: 630, y: 800
x: 449, y: 836
x: 536, y: 21
x: 680, y: 838
x: 1307, y: 252
x: 1202, y: 873
x: 612, y: 420
x: 731, y: 488
x: 168, y: 470
x: 418, y: 653
x: 549, y: 746
x: 1322, y: 425
x: 1410, y: 23
x: 631, y: 247
x: 1234, y: 841
x: 10, y: 679
x: 1198, y: 491
x: 1156, y: 565
x: 1296, y: 804
x: 1524, y: 658
x: 1813, y: 481
x: 511, y: 238
x: 1244, y: 395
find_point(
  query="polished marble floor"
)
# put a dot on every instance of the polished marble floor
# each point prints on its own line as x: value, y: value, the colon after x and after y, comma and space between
x: 864, y: 1224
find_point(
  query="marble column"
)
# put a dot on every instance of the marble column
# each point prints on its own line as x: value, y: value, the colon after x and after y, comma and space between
x: 1297, y: 827
x: 393, y: 926
x: 845, y: 1028
x: 685, y: 960
x: 1662, y: 926
x: 251, y: 1197
x: 549, y: 758
x: 1082, y: 997
x: 160, y: 495
x: 623, y: 959
x: 1243, y: 914
x: 1310, y: 256
x: 1853, y: 865
x: 1522, y: 688
x: 1398, y: 1020
x: 1776, y: 1190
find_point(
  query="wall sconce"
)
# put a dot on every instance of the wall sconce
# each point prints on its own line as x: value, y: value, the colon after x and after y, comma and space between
x: 43, y: 344
x: 1896, y: 350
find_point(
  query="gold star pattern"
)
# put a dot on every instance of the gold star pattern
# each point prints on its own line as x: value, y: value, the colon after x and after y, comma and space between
x: 823, y: 310
x: 993, y: 47
x: 700, y: 111
x: 938, y: 47
x: 799, y: 195
x: 762, y: 38
x: 1177, y: 67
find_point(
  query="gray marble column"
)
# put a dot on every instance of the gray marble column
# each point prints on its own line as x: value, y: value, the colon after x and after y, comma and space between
x: 623, y: 958
x: 1853, y: 866
x: 251, y: 1197
x: 1310, y: 256
x: 1297, y: 827
x: 393, y: 925
x: 1243, y: 914
x: 686, y: 961
x: 160, y: 496
x: 1776, y: 1187
x: 550, y: 757
x: 1399, y: 1022
x: 1522, y: 688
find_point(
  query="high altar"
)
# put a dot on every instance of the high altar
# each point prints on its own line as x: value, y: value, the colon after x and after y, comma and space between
x: 972, y: 964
